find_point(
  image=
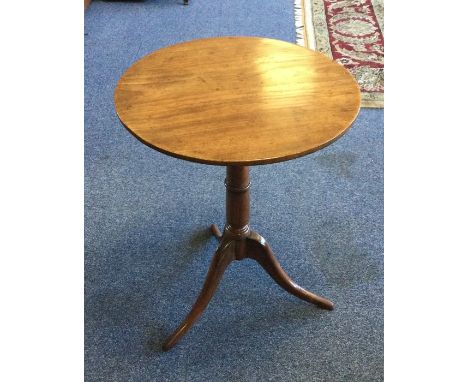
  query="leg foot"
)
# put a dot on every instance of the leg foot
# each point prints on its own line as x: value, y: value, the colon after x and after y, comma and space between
x: 259, y: 250
x: 222, y: 258
x: 216, y: 232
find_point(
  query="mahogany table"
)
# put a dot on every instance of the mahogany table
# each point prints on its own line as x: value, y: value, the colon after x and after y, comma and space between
x: 236, y: 102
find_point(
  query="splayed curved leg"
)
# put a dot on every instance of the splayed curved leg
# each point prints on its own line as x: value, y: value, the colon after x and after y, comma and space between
x: 222, y: 258
x: 259, y: 250
x: 216, y: 232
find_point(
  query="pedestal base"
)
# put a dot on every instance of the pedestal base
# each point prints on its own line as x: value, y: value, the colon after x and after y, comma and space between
x: 232, y: 247
x: 238, y: 242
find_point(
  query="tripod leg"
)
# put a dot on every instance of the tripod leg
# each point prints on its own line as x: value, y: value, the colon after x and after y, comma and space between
x: 216, y: 232
x: 222, y: 258
x: 259, y: 250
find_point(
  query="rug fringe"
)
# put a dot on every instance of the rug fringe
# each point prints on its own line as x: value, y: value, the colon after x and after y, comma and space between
x: 299, y: 22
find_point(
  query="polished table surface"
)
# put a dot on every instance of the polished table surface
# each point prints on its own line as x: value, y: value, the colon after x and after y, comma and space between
x: 237, y: 100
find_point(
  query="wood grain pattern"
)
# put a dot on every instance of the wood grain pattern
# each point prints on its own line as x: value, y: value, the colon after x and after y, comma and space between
x: 236, y: 100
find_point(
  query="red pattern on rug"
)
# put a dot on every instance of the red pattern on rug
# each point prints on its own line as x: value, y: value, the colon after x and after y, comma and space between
x: 356, y: 40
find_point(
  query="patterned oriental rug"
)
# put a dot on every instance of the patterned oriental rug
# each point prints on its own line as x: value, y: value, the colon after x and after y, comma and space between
x: 351, y: 32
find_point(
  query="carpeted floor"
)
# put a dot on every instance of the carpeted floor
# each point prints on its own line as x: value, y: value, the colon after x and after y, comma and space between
x: 147, y: 246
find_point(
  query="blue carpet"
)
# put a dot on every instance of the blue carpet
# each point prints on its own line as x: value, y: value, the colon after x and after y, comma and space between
x: 147, y: 247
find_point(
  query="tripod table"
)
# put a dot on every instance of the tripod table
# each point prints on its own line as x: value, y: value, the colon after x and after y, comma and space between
x: 237, y: 102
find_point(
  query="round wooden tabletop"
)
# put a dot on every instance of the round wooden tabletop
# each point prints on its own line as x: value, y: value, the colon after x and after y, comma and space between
x: 237, y: 100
